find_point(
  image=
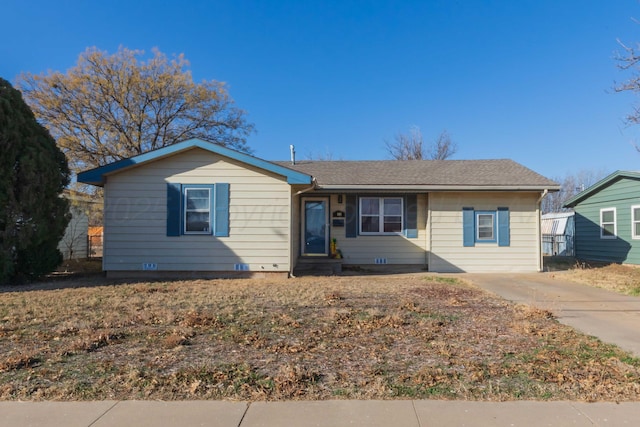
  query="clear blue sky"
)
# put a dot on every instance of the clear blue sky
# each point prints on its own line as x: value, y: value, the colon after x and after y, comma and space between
x: 529, y: 80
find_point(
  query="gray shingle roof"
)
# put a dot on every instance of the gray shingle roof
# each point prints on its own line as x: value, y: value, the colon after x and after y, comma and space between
x: 433, y: 173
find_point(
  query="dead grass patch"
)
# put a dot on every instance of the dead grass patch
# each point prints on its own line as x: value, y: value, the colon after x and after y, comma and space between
x: 623, y: 279
x: 372, y: 337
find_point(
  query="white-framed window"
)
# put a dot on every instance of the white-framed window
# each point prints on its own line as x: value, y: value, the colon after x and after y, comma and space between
x: 635, y: 222
x: 608, y: 226
x: 485, y: 226
x: 197, y: 210
x: 381, y: 215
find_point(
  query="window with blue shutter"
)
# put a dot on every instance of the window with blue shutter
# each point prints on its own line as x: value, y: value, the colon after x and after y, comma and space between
x: 504, y: 238
x: 468, y: 227
x: 197, y: 209
x: 485, y: 227
x: 411, y: 220
x: 174, y: 209
x: 351, y: 220
x: 197, y: 200
x: 222, y: 210
x: 381, y: 215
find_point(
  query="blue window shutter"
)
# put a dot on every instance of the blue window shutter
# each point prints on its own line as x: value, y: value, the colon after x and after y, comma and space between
x: 503, y: 227
x: 222, y: 210
x: 351, y: 220
x: 174, y: 209
x: 411, y: 220
x: 468, y: 227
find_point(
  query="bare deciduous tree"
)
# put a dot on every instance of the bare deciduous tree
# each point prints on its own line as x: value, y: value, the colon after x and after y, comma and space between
x: 630, y: 61
x: 319, y: 155
x: 443, y: 148
x: 570, y: 185
x: 411, y: 146
x: 406, y: 146
x: 110, y: 107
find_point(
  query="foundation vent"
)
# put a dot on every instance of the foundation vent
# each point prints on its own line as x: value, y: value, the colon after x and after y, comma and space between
x: 241, y: 267
x: 380, y: 260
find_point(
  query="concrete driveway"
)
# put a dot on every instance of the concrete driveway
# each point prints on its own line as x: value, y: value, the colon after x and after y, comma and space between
x: 611, y: 317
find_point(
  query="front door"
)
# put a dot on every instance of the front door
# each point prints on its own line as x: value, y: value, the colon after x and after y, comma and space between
x: 315, y: 226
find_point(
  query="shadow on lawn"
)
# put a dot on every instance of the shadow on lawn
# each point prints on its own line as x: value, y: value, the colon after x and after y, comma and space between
x: 71, y: 274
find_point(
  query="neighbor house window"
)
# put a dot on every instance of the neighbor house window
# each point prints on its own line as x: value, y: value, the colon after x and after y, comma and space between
x: 197, y: 210
x: 381, y: 215
x: 608, y: 223
x: 635, y: 222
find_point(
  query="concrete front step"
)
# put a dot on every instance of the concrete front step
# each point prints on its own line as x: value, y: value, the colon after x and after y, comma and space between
x: 318, y: 266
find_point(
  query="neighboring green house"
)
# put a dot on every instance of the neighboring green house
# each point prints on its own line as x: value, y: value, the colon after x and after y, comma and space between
x: 200, y: 209
x: 607, y: 219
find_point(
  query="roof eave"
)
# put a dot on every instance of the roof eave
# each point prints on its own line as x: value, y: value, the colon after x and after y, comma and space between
x: 97, y: 176
x: 587, y: 192
x: 422, y: 187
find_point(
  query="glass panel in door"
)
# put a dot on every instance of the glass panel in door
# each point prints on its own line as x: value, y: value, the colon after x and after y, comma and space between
x: 315, y: 232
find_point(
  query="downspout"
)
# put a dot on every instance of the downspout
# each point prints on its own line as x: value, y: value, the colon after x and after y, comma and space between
x: 544, y: 193
x: 313, y: 186
x: 539, y: 230
x: 314, y: 183
x: 429, y: 241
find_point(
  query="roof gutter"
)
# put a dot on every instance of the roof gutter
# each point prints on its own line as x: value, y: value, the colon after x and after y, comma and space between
x: 414, y: 187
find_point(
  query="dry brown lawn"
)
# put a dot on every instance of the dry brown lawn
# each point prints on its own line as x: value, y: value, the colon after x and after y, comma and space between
x: 624, y: 279
x: 360, y: 337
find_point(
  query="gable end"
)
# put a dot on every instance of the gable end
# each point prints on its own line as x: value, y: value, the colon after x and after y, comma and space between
x: 97, y: 176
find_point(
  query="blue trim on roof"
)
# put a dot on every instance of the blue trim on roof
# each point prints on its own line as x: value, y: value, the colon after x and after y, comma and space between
x: 97, y: 176
x: 588, y: 192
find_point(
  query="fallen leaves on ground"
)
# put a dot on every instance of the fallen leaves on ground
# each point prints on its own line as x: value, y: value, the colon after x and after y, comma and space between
x: 360, y: 337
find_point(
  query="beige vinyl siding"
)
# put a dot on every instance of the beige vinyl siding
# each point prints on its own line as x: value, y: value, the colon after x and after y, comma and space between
x: 447, y: 251
x: 397, y: 249
x: 295, y: 223
x: 136, y: 213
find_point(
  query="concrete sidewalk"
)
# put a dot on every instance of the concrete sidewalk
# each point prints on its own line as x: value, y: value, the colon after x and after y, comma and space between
x: 397, y: 413
x: 612, y: 317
